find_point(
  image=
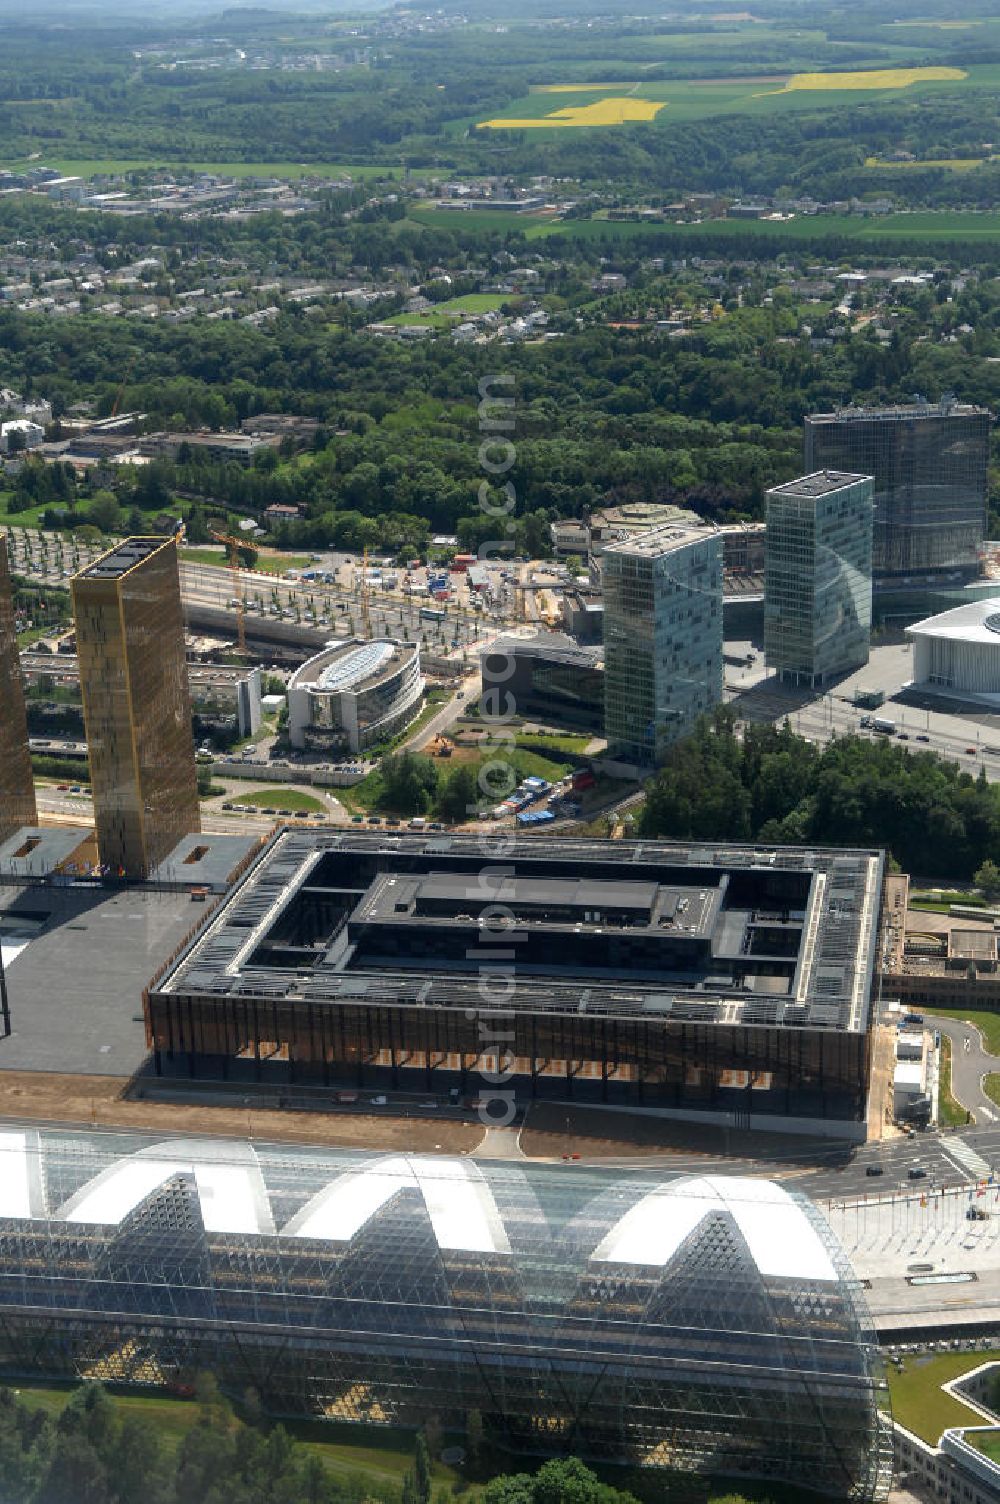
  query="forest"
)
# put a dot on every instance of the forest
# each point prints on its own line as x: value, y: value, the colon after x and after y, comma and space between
x: 765, y: 783
x: 602, y: 415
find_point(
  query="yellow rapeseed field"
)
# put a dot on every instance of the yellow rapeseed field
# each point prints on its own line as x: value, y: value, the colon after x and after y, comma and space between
x: 609, y: 111
x: 877, y: 78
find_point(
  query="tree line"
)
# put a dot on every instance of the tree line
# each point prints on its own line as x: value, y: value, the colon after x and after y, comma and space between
x: 765, y: 783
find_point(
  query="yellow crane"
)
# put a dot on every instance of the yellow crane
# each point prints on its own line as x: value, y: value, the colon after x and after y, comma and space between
x: 234, y: 548
x: 366, y: 610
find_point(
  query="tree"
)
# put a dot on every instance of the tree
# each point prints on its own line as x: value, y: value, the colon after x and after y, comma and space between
x: 459, y: 797
x: 474, y: 1433
x: 408, y: 784
x: 422, y: 1470
x: 75, y: 1474
x: 987, y: 879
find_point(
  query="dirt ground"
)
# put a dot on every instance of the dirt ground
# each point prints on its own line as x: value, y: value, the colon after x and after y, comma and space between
x: 551, y: 1131
x: 98, y: 1102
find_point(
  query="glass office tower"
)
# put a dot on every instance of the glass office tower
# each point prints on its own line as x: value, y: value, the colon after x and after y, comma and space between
x: 136, y: 704
x: 818, y: 576
x: 929, y: 463
x: 704, y: 1323
x: 662, y: 638
x: 17, y: 788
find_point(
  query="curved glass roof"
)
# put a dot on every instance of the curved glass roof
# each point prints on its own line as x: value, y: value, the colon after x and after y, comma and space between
x: 355, y: 665
x: 707, y: 1322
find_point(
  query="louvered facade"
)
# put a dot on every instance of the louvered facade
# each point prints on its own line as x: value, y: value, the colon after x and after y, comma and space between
x: 727, y: 982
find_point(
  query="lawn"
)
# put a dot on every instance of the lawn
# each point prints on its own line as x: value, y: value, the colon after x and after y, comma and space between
x: 266, y: 563
x: 302, y: 804
x: 950, y: 1113
x: 919, y: 1403
x: 374, y: 1454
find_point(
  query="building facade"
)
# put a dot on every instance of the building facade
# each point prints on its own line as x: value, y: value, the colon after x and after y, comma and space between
x: 717, y: 984
x: 958, y: 652
x: 662, y: 638
x: 17, y: 786
x: 929, y: 463
x: 354, y: 695
x: 707, y: 1324
x: 548, y: 677
x: 136, y: 703
x: 818, y: 576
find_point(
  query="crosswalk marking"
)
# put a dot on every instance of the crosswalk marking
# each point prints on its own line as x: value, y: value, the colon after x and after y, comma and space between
x: 966, y: 1159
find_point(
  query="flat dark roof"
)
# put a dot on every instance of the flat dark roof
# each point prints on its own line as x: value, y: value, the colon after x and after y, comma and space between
x: 754, y: 934
x: 820, y: 483
x: 122, y: 558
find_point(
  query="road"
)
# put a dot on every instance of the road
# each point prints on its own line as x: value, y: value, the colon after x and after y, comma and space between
x: 970, y: 1062
x: 469, y: 690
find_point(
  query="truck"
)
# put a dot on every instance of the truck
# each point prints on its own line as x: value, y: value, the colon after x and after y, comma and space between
x: 887, y: 728
x: 583, y: 778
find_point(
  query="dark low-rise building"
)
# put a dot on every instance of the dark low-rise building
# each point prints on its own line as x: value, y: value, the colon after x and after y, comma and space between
x: 548, y: 677
x: 716, y: 982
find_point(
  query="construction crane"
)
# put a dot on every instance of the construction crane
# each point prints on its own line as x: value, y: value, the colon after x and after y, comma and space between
x: 366, y: 609
x: 234, y: 547
x: 121, y: 390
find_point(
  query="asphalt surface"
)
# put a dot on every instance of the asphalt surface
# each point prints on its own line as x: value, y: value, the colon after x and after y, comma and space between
x: 970, y: 1062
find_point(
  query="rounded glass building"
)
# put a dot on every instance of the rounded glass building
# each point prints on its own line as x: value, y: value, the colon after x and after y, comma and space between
x: 700, y: 1322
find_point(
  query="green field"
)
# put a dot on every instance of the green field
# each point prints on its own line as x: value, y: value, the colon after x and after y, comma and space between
x: 928, y: 225
x: 300, y: 804
x: 446, y: 315
x: 918, y: 1401
x: 86, y: 167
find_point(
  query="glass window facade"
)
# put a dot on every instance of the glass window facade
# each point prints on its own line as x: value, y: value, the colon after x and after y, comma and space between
x: 17, y: 789
x: 699, y: 1323
x: 136, y: 704
x: 818, y: 576
x: 929, y: 463
x: 662, y: 638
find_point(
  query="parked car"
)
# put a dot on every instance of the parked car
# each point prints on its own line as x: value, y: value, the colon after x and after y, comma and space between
x: 916, y: 1172
x: 874, y: 1170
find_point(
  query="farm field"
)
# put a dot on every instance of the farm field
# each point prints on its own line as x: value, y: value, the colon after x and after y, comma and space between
x: 953, y: 164
x: 705, y: 98
x: 874, y: 78
x: 612, y: 110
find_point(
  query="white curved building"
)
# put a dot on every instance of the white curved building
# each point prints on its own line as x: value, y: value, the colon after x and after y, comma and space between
x: 354, y: 694
x: 958, y: 652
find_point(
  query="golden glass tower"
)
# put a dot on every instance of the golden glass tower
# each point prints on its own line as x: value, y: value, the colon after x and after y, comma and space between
x: 17, y: 788
x: 136, y: 705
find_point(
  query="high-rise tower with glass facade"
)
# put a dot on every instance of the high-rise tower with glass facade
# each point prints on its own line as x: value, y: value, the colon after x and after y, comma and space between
x: 17, y: 789
x: 136, y: 706
x: 818, y: 576
x: 662, y: 637
x: 929, y: 463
